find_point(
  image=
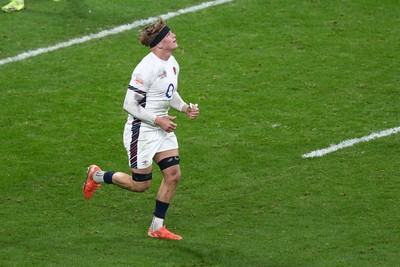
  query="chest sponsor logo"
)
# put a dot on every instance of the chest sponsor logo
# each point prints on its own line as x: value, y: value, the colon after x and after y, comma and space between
x: 162, y: 75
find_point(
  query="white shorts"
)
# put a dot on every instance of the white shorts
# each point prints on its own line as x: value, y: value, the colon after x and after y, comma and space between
x: 142, y: 146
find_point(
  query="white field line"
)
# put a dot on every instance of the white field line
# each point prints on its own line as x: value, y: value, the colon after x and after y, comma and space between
x: 351, y: 142
x: 115, y: 30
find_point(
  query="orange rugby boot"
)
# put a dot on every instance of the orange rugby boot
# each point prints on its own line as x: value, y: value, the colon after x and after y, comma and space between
x: 163, y: 233
x: 90, y: 185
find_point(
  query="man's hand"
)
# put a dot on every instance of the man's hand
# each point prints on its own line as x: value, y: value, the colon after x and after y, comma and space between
x: 166, y: 123
x: 192, y: 111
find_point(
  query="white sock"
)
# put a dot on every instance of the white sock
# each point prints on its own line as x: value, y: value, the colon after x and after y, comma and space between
x: 98, y: 177
x: 157, y: 223
x: 21, y: 1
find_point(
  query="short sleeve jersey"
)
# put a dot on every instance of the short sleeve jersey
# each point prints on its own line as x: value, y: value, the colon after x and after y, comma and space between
x: 156, y: 80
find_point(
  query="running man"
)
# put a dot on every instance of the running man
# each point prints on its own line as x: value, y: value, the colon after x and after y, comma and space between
x: 149, y: 130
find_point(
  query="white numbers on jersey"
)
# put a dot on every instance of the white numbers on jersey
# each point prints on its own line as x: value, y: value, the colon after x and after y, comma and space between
x: 170, y: 90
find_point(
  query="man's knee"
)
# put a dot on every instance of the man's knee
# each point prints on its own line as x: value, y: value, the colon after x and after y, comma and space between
x: 141, y: 186
x: 170, y: 169
x: 172, y: 175
x: 142, y: 181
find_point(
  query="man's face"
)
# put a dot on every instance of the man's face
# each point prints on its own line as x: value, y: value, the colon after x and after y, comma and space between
x: 169, y: 41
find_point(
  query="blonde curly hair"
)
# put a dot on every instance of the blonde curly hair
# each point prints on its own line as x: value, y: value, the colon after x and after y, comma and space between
x: 150, y: 32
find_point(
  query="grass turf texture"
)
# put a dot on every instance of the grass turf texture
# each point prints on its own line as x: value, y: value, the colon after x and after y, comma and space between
x: 273, y: 79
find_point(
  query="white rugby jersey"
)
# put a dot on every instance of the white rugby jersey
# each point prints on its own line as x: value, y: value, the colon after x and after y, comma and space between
x: 151, y: 92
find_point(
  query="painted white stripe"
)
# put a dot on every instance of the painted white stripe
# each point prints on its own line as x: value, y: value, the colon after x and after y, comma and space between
x: 351, y: 142
x: 115, y: 30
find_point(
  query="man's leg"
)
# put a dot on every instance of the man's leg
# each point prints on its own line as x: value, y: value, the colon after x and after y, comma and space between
x: 169, y: 165
x: 139, y: 181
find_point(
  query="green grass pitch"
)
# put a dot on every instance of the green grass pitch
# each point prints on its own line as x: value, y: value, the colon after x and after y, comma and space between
x: 273, y: 79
